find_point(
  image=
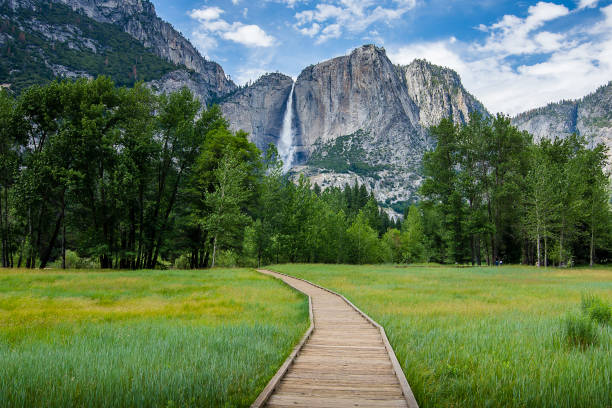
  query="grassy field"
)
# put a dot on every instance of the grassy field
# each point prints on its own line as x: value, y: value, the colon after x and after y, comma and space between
x: 147, y: 338
x: 483, y: 337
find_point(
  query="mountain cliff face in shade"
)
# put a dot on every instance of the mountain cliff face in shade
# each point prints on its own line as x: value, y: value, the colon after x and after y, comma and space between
x: 590, y: 117
x: 51, y: 27
x: 357, y: 118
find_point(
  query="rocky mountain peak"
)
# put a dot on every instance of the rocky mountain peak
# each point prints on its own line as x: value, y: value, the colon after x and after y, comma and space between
x: 138, y: 18
x: 438, y: 92
x: 590, y: 117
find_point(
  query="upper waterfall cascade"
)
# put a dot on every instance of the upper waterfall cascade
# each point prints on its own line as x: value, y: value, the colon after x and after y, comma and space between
x: 286, y: 147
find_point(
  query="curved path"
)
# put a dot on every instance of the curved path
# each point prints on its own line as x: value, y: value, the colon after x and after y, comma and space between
x: 344, y: 360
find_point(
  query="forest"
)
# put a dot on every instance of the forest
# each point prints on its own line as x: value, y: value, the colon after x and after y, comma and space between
x: 96, y: 175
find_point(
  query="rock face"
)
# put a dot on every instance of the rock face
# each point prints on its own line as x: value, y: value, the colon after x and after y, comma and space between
x: 357, y: 118
x: 258, y: 109
x: 438, y: 93
x: 590, y: 117
x: 138, y: 18
x: 361, y: 91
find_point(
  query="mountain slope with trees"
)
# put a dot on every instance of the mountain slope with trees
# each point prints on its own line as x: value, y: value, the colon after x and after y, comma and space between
x: 42, y: 40
x: 589, y: 117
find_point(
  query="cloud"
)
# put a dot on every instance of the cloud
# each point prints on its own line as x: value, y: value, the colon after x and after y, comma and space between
x: 513, y: 35
x: 332, y: 19
x: 587, y: 4
x: 249, y: 35
x: 246, y: 75
x: 312, y: 31
x: 559, y: 69
x: 212, y: 26
x: 206, y: 14
x: 331, y: 31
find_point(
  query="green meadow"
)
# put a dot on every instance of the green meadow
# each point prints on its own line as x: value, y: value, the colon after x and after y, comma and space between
x: 483, y: 337
x: 146, y: 338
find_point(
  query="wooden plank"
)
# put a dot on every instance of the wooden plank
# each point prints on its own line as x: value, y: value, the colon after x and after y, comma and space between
x: 297, y: 400
x: 263, y: 397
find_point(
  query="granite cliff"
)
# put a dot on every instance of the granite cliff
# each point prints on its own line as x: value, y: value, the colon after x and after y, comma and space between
x: 68, y: 42
x: 590, y: 117
x: 357, y: 117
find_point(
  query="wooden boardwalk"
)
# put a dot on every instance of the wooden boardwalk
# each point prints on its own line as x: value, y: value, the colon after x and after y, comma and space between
x: 344, y: 360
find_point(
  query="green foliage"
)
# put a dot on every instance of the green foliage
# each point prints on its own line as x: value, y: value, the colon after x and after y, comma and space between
x: 580, y: 331
x: 596, y: 309
x: 490, y: 194
x: 27, y: 57
x: 227, y: 259
x: 225, y: 219
x: 362, y: 241
x: 413, y: 237
x: 182, y: 262
x: 74, y: 261
x: 344, y: 154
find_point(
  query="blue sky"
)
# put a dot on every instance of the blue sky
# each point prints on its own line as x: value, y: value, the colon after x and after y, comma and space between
x: 513, y: 56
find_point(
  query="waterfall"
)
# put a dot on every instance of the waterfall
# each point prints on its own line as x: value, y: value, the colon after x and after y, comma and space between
x: 286, y: 149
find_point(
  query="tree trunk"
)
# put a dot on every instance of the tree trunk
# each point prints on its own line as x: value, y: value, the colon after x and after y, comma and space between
x: 214, y: 251
x: 3, y: 233
x: 478, y: 257
x: 545, y: 251
x: 561, y: 247
x: 538, y: 248
x: 592, y: 249
x: 47, y: 252
x: 64, y: 239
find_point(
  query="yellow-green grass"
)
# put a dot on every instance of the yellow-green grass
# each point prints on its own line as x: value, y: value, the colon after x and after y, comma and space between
x: 483, y: 337
x: 146, y: 338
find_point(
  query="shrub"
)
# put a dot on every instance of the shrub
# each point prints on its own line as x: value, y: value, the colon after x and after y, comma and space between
x: 74, y: 261
x: 227, y: 259
x: 182, y: 262
x: 580, y: 331
x: 596, y: 309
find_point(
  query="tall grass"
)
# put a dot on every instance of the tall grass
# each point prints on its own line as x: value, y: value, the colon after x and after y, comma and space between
x: 483, y: 337
x: 150, y: 338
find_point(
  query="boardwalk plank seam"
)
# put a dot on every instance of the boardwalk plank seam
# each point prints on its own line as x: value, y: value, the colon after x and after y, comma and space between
x: 274, y: 382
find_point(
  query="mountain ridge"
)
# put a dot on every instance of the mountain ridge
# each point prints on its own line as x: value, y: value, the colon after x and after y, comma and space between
x: 136, y: 18
x: 589, y: 116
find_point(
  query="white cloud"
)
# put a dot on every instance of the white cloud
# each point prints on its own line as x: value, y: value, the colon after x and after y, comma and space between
x: 212, y: 26
x: 249, y: 35
x: 513, y: 35
x: 311, y: 31
x: 587, y: 4
x: 565, y: 69
x: 331, y: 19
x: 206, y: 14
x: 249, y: 74
x: 331, y: 31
